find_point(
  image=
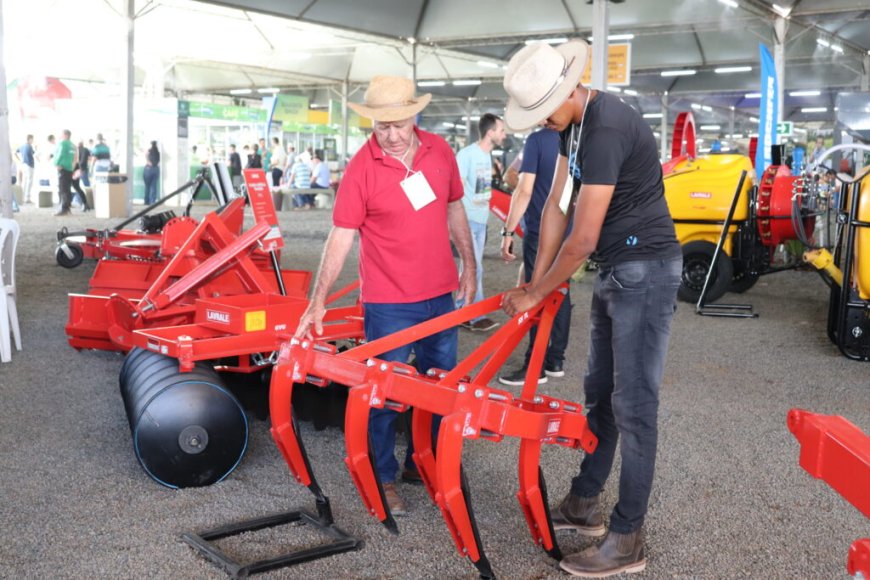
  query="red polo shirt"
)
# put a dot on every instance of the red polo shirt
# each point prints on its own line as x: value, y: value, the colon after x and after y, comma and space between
x: 404, y: 254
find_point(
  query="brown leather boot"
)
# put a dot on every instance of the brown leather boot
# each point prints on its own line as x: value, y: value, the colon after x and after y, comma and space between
x: 617, y: 553
x: 579, y: 513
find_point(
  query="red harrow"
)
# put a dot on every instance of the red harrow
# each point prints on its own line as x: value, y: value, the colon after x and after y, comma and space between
x: 469, y: 407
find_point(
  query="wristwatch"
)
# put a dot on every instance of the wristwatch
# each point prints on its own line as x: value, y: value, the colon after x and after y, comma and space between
x: 506, y: 234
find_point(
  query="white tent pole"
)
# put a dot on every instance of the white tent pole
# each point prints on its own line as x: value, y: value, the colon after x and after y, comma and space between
x: 128, y: 78
x: 5, y: 149
x: 600, y: 31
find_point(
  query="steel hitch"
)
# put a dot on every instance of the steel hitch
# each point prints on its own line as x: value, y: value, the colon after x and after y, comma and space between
x: 470, y: 409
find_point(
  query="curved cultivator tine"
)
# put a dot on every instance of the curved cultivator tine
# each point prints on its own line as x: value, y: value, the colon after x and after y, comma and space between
x: 533, y: 498
x: 424, y: 455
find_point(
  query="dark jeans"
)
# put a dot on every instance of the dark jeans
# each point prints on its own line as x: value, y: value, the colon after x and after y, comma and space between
x: 80, y: 193
x: 438, y: 350
x: 276, y: 176
x: 632, y: 307
x: 64, y: 182
x: 561, y: 324
x: 151, y: 176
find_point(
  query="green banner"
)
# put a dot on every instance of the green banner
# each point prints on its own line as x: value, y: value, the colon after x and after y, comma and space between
x: 291, y: 109
x: 221, y: 112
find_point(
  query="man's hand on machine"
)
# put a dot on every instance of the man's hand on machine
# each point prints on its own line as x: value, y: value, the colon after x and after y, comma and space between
x: 313, y: 315
x: 518, y: 300
x: 467, y: 286
x: 507, y: 249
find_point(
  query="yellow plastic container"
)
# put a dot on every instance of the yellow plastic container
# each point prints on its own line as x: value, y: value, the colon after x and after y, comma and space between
x: 861, y: 264
x: 699, y: 193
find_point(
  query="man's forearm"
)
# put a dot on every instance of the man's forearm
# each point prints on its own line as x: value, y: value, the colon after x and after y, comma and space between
x: 553, y: 222
x: 335, y: 252
x: 520, y: 201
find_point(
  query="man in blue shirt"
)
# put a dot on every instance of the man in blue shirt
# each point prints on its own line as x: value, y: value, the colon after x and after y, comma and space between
x: 527, y: 203
x: 27, y: 164
x: 475, y: 167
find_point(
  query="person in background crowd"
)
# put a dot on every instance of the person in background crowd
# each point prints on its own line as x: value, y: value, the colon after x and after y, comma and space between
x: 319, y: 172
x: 64, y: 159
x: 527, y: 204
x: 475, y: 167
x: 266, y: 154
x: 84, y: 157
x: 27, y: 166
x: 151, y: 174
x: 277, y: 161
x: 77, y: 174
x: 234, y: 163
x: 406, y: 267
x: 101, y: 155
x: 291, y: 159
x: 254, y: 160
x: 300, y: 178
x: 818, y: 150
x: 609, y: 161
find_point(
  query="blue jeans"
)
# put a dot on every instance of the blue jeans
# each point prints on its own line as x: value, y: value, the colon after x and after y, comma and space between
x: 438, y: 351
x: 478, y: 241
x: 555, y: 355
x: 151, y: 175
x: 633, y: 304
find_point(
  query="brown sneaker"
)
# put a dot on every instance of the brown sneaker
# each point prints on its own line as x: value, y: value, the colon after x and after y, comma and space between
x: 617, y: 553
x: 579, y: 513
x: 394, y: 500
x: 483, y: 325
x: 412, y: 475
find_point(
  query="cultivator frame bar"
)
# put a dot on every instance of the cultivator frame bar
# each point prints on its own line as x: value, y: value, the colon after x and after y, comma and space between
x: 837, y: 452
x: 469, y: 407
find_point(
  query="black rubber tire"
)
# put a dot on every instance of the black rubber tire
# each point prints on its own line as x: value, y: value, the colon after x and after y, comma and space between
x: 742, y: 280
x: 66, y: 261
x: 697, y: 257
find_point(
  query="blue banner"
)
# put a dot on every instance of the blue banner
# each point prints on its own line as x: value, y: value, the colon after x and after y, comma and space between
x: 768, y: 114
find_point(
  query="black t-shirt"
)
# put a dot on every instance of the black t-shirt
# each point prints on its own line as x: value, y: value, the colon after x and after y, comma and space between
x: 616, y: 147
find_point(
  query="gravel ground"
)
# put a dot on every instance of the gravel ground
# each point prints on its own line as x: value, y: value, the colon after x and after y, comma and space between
x: 729, y: 498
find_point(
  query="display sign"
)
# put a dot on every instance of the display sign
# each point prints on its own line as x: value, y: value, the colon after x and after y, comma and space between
x: 618, y: 65
x: 263, y: 207
x: 290, y: 109
x: 220, y: 112
x: 785, y: 129
x: 767, y: 112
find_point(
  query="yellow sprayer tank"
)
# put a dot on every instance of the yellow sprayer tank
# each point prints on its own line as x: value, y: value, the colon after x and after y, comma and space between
x: 861, y: 264
x: 699, y: 193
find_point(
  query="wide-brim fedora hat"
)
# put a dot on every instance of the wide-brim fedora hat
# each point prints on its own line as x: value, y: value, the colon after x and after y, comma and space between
x: 538, y: 80
x: 390, y: 99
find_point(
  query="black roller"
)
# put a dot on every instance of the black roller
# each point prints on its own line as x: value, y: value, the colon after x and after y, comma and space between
x: 188, y: 429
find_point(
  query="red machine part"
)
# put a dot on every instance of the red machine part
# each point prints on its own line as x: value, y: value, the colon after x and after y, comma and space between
x: 683, y: 144
x: 838, y: 452
x: 500, y: 205
x: 469, y: 407
x: 775, y: 206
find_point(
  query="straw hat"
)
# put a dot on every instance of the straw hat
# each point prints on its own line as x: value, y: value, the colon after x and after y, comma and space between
x: 391, y: 99
x: 538, y: 80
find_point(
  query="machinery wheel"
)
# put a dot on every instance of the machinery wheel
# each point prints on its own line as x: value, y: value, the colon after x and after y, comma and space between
x: 697, y: 257
x: 66, y: 260
x: 742, y: 279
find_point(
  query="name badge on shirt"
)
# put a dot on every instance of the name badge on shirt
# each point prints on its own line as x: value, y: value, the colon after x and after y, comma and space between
x: 417, y: 189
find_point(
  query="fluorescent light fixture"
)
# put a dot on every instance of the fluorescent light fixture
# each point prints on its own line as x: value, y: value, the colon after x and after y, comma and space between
x: 558, y: 40
x: 497, y: 153
x: 466, y: 83
x: 486, y: 64
x: 696, y: 106
x: 753, y: 119
x: 837, y: 48
x: 316, y: 106
x: 706, y: 108
x: 782, y: 11
x: 730, y: 3
x: 657, y: 134
x: 630, y: 92
x: 710, y: 127
x: 652, y: 115
x: 412, y: 40
x: 814, y: 110
x: 628, y: 36
x: 678, y: 73
x: 752, y: 95
x: 269, y: 91
x: 799, y: 130
x: 823, y: 42
x: 614, y: 89
x: 722, y: 70
x: 431, y: 83
x: 805, y: 93
x: 241, y: 91
x: 472, y: 118
x: 462, y: 127
x: 449, y: 124
x: 735, y: 136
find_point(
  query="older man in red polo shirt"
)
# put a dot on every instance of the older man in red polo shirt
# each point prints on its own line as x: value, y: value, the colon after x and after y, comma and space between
x: 402, y: 192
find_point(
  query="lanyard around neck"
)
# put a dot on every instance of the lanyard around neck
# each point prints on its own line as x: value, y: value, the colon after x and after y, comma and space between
x: 572, y: 144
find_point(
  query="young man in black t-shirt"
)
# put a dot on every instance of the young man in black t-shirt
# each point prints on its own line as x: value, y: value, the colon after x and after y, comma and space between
x: 621, y: 219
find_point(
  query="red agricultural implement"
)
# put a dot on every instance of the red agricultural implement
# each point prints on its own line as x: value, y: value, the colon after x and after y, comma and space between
x: 469, y: 407
x: 837, y: 452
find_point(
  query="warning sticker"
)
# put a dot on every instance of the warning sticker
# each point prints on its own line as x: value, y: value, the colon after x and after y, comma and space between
x: 255, y: 321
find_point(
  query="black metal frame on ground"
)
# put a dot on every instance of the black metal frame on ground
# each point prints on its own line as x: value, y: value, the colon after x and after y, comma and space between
x: 724, y: 310
x: 342, y: 542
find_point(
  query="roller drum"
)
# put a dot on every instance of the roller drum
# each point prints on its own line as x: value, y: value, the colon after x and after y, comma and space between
x: 188, y: 429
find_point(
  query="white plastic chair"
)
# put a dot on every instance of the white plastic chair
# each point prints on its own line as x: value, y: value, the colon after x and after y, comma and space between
x: 9, y: 233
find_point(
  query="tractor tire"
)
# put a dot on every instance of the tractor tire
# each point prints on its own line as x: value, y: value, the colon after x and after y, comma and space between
x: 69, y: 262
x: 742, y: 280
x: 697, y: 257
